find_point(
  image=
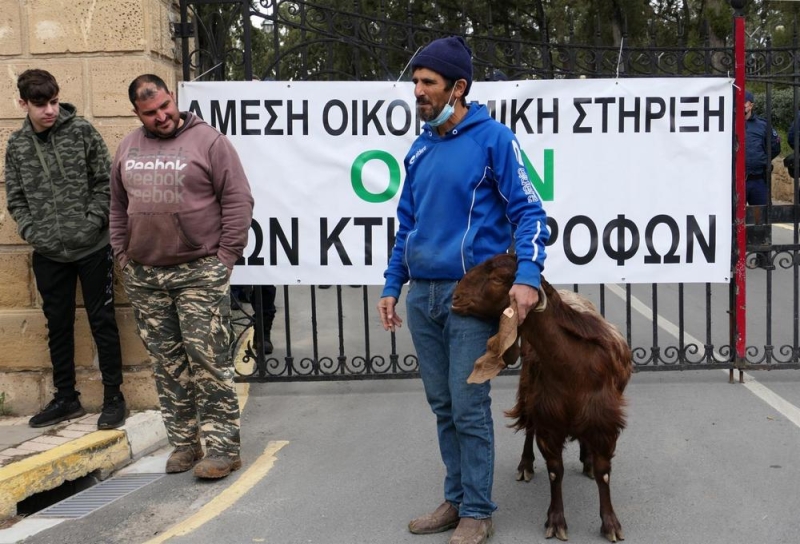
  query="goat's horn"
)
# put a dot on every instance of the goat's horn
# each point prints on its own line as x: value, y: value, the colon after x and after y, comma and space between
x: 540, y: 307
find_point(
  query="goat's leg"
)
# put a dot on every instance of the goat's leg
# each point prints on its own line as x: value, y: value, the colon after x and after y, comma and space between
x: 551, y: 449
x: 525, y: 467
x: 586, y: 459
x: 610, y: 528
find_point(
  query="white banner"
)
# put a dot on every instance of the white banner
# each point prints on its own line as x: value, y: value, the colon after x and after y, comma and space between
x: 635, y: 174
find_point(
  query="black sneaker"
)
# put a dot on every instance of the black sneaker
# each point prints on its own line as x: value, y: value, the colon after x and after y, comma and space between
x: 114, y: 413
x: 57, y: 410
x: 268, y: 347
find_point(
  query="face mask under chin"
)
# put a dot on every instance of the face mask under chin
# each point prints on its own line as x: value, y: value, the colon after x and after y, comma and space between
x: 445, y: 114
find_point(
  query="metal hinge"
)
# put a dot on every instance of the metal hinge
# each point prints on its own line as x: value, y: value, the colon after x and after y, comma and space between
x: 181, y: 30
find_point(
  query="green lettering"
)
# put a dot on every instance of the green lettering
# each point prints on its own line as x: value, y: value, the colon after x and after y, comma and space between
x: 356, y: 176
x: 545, y: 187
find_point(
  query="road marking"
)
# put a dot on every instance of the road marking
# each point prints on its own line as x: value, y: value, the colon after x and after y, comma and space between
x: 243, y: 394
x: 781, y: 405
x: 228, y: 497
x: 789, y: 410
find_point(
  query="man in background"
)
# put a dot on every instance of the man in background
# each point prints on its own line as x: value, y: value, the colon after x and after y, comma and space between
x: 758, y: 164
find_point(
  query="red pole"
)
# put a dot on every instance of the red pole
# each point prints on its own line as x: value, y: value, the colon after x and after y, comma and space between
x: 740, y: 283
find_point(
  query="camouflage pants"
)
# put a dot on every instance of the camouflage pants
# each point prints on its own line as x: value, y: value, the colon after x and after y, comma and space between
x: 183, y: 316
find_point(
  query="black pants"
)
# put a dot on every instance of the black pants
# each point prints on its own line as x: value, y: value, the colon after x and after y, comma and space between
x: 244, y: 293
x: 57, y: 284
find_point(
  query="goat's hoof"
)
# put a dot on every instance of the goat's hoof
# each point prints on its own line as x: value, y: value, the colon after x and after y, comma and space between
x: 613, y: 532
x: 525, y: 475
x: 559, y: 532
x: 588, y: 472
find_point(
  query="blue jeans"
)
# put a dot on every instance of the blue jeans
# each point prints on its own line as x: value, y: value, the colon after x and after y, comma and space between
x: 447, y: 345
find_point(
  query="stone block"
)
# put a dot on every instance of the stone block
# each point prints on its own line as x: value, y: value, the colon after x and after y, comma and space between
x: 110, y: 78
x: 68, y: 73
x: 114, y: 131
x: 133, y: 350
x: 10, y: 27
x: 83, y: 26
x: 5, y: 132
x: 8, y: 227
x: 90, y: 384
x: 139, y: 388
x: 24, y: 391
x: 16, y: 280
x: 23, y: 341
x: 120, y: 296
x: 161, y: 15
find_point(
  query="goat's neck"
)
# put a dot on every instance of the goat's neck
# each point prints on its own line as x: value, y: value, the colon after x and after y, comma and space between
x: 543, y: 332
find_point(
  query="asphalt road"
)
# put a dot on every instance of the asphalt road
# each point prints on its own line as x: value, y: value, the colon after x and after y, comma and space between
x: 702, y: 461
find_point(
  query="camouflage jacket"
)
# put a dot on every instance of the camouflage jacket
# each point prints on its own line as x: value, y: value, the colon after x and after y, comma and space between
x: 58, y: 190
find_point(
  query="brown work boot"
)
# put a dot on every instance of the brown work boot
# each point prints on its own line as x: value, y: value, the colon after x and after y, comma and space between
x: 472, y: 531
x: 183, y: 458
x: 443, y: 518
x: 216, y: 466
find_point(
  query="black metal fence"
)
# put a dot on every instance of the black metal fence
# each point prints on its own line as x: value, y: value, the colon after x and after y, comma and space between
x: 334, y: 333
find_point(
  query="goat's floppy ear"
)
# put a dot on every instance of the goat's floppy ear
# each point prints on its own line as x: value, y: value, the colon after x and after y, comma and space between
x: 494, y: 360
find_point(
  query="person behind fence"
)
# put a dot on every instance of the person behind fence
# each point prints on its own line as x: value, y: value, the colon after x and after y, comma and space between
x: 789, y: 160
x: 181, y: 208
x: 57, y: 191
x: 245, y: 293
x: 467, y: 197
x: 757, y: 163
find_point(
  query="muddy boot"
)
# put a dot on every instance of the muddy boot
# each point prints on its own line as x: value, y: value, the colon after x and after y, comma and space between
x: 183, y: 458
x: 216, y: 466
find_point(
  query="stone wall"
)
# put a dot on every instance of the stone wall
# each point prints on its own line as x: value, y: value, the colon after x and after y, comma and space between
x: 94, y: 48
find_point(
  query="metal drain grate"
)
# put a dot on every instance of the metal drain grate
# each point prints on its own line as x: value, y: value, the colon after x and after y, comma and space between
x: 94, y: 498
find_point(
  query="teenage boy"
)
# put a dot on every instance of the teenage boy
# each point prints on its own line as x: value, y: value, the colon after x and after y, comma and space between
x: 57, y: 187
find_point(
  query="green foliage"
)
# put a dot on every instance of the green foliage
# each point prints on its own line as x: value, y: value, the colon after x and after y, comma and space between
x: 783, y: 109
x: 374, y: 39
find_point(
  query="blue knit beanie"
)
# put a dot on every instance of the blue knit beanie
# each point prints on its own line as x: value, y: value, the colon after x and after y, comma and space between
x: 449, y: 57
x: 748, y: 96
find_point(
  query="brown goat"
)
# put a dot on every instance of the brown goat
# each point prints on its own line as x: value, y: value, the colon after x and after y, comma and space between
x: 503, y: 350
x: 575, y: 366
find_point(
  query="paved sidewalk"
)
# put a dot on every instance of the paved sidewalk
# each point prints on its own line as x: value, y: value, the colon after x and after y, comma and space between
x: 36, y: 460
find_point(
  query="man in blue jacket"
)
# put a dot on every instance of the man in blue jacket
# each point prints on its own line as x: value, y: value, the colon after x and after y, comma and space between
x: 467, y: 196
x: 757, y: 162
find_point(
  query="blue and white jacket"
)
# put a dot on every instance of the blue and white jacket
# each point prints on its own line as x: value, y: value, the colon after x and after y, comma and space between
x: 466, y: 198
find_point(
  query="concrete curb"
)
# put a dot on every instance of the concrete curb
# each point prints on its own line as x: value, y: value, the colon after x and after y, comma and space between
x: 102, y: 452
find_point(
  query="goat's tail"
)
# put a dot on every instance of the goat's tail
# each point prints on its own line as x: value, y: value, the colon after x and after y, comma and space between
x: 518, y: 413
